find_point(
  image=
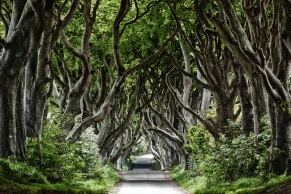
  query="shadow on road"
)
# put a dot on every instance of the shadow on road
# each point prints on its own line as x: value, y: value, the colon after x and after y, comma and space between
x: 142, y: 166
x: 144, y: 162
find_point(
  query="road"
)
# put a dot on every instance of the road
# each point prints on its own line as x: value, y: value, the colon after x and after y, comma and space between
x: 142, y: 180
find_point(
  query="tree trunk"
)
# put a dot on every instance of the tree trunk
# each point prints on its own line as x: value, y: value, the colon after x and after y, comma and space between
x: 37, y: 78
x: 280, y: 157
x: 206, y: 97
x: 29, y: 95
x: 20, y: 125
x: 8, y: 131
x: 280, y: 77
x: 245, y: 102
x: 22, y: 40
x: 257, y: 96
x: 187, y: 85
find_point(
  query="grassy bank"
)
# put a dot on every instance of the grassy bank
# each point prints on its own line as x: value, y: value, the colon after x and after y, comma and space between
x: 251, y: 185
x: 22, y: 178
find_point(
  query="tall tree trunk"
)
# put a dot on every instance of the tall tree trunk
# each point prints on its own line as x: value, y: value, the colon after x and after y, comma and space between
x: 280, y: 158
x: 257, y: 96
x: 20, y: 41
x: 206, y: 97
x: 20, y: 125
x: 8, y: 132
x: 29, y: 95
x: 187, y: 85
x: 37, y: 78
x: 247, y: 121
x: 80, y: 87
x: 224, y: 113
x: 255, y: 60
x: 281, y: 68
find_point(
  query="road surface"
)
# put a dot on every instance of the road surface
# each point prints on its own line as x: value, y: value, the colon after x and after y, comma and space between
x: 142, y: 180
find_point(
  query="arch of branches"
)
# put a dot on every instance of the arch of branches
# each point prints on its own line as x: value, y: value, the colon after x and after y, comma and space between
x: 133, y: 68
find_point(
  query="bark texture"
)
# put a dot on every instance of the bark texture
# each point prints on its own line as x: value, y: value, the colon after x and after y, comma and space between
x: 23, y: 35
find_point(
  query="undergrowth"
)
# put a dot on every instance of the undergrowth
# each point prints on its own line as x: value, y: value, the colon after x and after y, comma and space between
x: 229, y: 165
x: 22, y: 178
x: 56, y: 166
x: 198, y: 184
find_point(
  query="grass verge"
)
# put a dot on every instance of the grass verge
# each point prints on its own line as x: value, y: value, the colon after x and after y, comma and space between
x: 249, y: 185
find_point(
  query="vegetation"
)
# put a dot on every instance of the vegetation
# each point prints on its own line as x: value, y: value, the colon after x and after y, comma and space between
x: 204, y: 84
x: 23, y: 178
x: 229, y: 166
x: 251, y: 185
x: 57, y: 166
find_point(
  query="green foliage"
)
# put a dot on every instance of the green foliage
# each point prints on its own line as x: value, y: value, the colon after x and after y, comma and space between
x: 211, y: 114
x: 199, y: 140
x: 155, y: 165
x: 199, y: 145
x: 73, y: 168
x: 229, y: 165
x: 228, y: 159
x: 147, y: 33
x: 199, y: 184
x: 55, y: 157
x: 20, y: 172
x: 19, y: 177
x: 128, y: 165
x: 237, y: 158
x: 233, y: 159
x: 2, y: 31
x: 188, y: 179
x: 101, y: 178
x: 88, y: 149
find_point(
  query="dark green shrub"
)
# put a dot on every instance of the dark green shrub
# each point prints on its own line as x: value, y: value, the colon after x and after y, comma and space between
x: 234, y: 158
x: 228, y: 159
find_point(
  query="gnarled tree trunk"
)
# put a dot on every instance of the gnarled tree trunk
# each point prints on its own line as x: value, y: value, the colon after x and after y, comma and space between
x: 22, y: 38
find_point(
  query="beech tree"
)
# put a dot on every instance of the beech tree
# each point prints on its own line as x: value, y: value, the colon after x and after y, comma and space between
x: 24, y: 28
x: 263, y: 49
x: 131, y: 68
x: 39, y: 72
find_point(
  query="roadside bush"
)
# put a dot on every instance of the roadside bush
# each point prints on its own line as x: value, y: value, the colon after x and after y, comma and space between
x: 233, y: 159
x: 188, y: 179
x: 101, y: 172
x: 199, y: 145
x: 57, y: 159
x: 229, y: 165
x: 109, y: 174
x: 88, y: 150
x: 236, y: 158
x: 228, y: 159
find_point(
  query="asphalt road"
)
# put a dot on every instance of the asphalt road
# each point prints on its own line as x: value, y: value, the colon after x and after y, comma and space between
x: 142, y: 180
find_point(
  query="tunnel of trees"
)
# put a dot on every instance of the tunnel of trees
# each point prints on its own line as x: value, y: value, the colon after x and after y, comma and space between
x: 186, y: 78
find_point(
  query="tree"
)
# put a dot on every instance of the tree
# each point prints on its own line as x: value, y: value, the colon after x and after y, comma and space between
x: 264, y: 52
x: 39, y: 71
x: 22, y: 38
x: 121, y: 75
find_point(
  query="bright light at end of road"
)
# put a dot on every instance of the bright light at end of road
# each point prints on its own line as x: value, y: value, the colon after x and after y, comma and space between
x: 150, y: 156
